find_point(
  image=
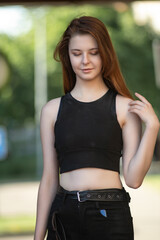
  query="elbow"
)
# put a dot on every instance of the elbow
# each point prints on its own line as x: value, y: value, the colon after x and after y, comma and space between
x: 133, y: 184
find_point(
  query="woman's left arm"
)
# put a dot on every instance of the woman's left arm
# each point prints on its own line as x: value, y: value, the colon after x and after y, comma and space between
x: 138, y: 151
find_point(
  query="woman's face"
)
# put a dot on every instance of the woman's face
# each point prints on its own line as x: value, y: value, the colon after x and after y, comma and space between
x: 84, y: 56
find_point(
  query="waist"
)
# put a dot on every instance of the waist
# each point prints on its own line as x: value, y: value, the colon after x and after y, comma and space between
x: 112, y: 194
x: 90, y: 178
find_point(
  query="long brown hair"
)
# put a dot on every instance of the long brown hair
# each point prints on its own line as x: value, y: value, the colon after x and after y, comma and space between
x: 111, y: 72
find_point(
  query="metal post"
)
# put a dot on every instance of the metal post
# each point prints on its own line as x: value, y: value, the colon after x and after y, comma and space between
x: 156, y: 59
x: 40, y: 78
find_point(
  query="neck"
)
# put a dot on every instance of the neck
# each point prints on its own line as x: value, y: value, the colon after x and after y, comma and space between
x: 89, y: 88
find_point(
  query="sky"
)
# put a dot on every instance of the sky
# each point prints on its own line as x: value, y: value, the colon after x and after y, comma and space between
x: 15, y: 20
x: 147, y: 11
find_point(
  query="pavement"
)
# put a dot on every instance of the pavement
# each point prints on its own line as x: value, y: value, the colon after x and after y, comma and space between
x: 17, y: 238
x: 21, y: 198
x: 145, y: 208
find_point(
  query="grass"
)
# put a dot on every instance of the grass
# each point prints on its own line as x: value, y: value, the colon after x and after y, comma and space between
x: 17, y: 225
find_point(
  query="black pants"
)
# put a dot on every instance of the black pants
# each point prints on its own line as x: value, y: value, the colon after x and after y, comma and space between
x: 90, y: 220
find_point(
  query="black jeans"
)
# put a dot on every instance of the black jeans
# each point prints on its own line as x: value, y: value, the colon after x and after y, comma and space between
x: 90, y: 220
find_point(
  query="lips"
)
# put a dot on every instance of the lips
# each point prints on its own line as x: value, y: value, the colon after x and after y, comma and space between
x: 87, y: 69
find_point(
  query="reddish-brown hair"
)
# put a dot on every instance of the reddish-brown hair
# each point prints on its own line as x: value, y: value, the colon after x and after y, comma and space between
x: 111, y: 72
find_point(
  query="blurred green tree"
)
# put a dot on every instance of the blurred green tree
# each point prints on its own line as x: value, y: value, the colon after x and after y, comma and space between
x: 17, y: 95
x: 132, y: 43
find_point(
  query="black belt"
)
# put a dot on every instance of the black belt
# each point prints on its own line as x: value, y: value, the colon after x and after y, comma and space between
x: 113, y: 194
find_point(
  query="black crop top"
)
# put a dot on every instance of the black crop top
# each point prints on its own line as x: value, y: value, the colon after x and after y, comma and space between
x: 87, y: 134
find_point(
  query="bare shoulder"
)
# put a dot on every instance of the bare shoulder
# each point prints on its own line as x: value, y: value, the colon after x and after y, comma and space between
x: 122, y: 108
x: 50, y: 109
x: 123, y: 101
x: 123, y: 115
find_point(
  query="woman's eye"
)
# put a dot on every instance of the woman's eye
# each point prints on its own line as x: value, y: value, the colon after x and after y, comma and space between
x: 76, y: 54
x: 94, y: 53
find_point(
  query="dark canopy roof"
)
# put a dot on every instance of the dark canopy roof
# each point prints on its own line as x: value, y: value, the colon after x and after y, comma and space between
x: 55, y: 2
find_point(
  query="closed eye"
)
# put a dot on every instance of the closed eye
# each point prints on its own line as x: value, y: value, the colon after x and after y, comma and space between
x: 78, y: 54
x: 94, y: 53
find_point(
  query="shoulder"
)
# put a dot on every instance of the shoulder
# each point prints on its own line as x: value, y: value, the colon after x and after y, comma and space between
x: 122, y: 105
x: 50, y: 109
x: 122, y: 111
x: 123, y: 102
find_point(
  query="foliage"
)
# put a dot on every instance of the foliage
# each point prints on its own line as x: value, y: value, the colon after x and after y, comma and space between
x: 17, y: 96
x: 18, y: 168
x: 133, y: 45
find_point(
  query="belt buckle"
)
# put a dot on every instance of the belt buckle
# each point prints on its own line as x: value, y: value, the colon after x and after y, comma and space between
x: 78, y: 196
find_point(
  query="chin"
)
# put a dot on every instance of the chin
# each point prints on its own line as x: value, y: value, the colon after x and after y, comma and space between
x: 87, y: 77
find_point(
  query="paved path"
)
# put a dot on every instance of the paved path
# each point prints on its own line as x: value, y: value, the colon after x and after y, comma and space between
x: 145, y: 207
x: 20, y: 198
x: 17, y: 238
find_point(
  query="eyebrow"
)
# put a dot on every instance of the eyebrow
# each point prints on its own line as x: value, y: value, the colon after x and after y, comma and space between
x: 80, y: 50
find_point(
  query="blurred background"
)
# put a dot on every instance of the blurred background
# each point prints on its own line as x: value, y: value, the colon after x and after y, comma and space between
x: 29, y: 77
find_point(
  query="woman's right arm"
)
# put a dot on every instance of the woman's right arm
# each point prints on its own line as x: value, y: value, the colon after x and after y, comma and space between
x: 50, y: 177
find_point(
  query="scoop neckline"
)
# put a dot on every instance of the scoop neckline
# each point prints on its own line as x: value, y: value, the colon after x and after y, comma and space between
x: 76, y: 100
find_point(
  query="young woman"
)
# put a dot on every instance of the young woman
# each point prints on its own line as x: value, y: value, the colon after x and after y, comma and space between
x: 84, y: 133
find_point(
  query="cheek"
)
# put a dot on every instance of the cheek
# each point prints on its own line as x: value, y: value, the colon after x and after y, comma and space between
x: 99, y: 62
x: 74, y: 62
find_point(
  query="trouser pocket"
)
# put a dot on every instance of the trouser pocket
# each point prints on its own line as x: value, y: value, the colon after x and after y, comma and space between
x: 109, y: 220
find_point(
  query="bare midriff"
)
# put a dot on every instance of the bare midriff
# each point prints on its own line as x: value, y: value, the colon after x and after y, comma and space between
x: 90, y: 178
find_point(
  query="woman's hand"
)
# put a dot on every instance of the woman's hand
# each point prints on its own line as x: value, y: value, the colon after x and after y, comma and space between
x: 145, y: 111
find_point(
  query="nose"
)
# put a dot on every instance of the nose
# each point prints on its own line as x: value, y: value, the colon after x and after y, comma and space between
x: 85, y: 59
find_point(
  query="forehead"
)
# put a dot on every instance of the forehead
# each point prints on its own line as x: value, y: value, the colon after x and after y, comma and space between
x: 82, y: 41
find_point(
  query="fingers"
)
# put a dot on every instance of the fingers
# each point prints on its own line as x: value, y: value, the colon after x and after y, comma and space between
x: 135, y: 110
x: 143, y: 99
x: 142, y: 103
x: 138, y: 106
x: 144, y: 110
x: 137, y: 102
x: 138, y: 110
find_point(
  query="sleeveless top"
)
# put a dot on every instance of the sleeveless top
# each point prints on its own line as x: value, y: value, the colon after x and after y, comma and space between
x: 87, y: 134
